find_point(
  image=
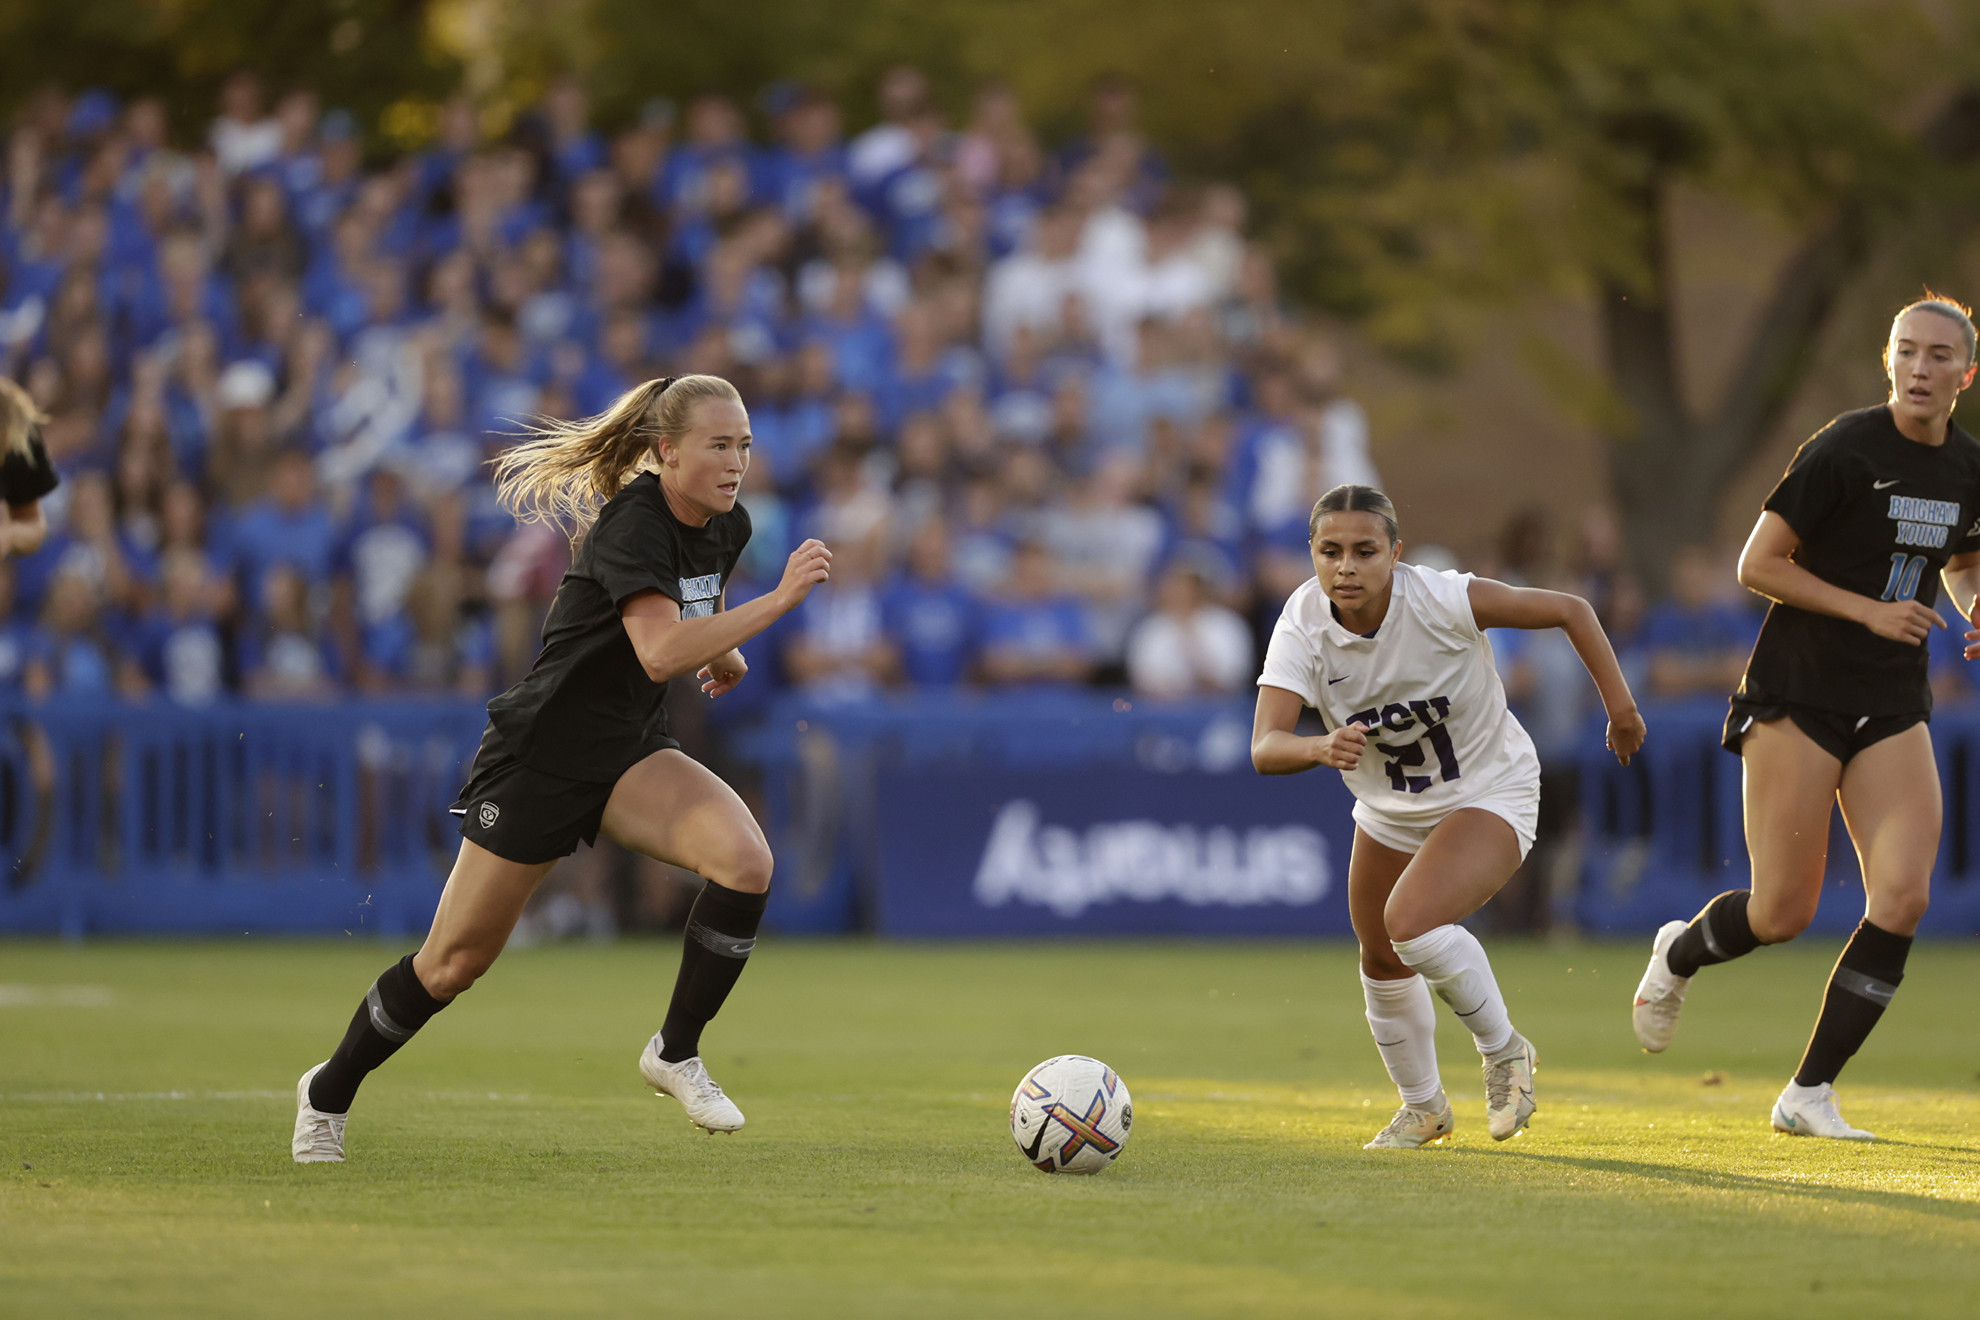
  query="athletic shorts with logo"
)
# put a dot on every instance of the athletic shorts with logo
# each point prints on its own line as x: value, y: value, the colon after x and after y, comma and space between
x: 524, y: 815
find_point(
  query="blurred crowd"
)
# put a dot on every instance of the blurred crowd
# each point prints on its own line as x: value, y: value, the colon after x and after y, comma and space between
x: 1042, y: 399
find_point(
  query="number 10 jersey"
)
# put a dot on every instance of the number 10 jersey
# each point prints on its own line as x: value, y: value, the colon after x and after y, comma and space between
x: 1440, y: 736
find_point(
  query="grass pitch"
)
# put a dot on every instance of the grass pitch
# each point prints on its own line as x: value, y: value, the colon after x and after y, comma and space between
x: 510, y: 1162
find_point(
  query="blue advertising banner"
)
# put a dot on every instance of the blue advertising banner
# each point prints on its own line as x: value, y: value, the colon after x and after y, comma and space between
x: 1117, y: 851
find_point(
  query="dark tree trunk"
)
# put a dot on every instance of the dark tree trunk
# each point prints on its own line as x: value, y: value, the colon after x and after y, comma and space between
x: 1668, y: 467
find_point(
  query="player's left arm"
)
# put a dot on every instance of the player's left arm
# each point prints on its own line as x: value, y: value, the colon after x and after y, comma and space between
x: 725, y: 671
x: 1497, y: 605
x: 1962, y: 578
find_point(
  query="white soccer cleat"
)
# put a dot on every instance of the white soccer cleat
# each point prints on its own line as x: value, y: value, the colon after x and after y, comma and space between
x: 1810, y: 1111
x: 319, y: 1137
x: 1660, y: 994
x: 1509, y: 1088
x: 688, y: 1082
x: 1413, y: 1128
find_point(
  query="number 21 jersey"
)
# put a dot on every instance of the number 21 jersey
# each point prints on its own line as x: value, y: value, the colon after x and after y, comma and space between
x: 1440, y: 735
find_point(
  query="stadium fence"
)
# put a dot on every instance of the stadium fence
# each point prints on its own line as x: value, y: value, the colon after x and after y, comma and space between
x: 929, y: 815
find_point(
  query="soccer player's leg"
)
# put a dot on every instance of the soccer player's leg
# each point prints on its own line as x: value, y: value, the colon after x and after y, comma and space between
x: 1789, y: 784
x: 1400, y: 1012
x: 484, y: 896
x: 1466, y: 860
x: 1891, y: 803
x: 671, y: 808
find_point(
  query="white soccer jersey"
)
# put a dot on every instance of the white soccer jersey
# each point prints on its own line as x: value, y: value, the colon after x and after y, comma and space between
x: 1440, y: 736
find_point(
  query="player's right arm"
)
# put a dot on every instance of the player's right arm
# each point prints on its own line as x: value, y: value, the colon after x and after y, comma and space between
x: 1767, y: 566
x: 669, y: 646
x: 1277, y: 750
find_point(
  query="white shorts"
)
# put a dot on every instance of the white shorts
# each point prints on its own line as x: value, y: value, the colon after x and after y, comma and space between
x: 1517, y: 804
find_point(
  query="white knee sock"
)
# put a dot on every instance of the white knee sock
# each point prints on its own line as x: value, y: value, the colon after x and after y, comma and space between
x: 1405, y: 1025
x: 1452, y: 960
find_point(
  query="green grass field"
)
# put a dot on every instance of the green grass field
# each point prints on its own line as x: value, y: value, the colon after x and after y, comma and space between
x: 510, y: 1163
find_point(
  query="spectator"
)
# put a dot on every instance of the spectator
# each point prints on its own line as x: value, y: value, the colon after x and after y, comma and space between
x: 176, y: 648
x: 933, y: 618
x: 808, y: 155
x: 1034, y: 633
x: 573, y: 149
x: 889, y: 145
x: 380, y: 552
x: 1114, y: 137
x: 265, y: 243
x: 1189, y: 646
x: 1549, y: 690
x: 1028, y: 288
x: 1698, y: 640
x: 68, y: 655
x: 839, y: 648
x: 242, y: 137
x: 1106, y: 546
x: 283, y: 656
x: 287, y: 529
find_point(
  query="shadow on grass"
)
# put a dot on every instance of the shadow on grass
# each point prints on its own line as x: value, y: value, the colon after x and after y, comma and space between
x: 1719, y: 1180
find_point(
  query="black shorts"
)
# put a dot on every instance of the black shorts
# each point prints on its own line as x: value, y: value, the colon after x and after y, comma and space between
x: 1841, y: 736
x: 525, y: 815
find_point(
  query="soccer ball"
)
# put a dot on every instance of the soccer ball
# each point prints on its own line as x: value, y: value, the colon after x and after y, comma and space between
x: 1071, y: 1114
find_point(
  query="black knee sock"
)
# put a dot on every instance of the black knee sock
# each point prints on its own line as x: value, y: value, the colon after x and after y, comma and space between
x: 394, y: 1008
x: 1718, y: 934
x: 721, y: 931
x: 1860, y: 988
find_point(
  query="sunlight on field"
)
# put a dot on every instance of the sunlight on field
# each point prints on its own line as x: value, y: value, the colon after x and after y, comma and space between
x: 510, y: 1163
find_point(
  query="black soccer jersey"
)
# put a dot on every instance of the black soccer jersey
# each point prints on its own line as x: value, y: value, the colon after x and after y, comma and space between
x: 587, y: 710
x: 25, y: 478
x: 1878, y: 515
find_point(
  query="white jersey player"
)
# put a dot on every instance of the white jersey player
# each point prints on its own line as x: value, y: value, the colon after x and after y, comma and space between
x: 1446, y: 783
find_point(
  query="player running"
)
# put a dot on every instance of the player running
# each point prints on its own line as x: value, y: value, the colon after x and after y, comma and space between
x: 1446, y: 782
x: 580, y: 746
x: 1835, y: 699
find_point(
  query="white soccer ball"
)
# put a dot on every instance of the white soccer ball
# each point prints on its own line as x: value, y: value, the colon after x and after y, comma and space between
x: 1071, y: 1114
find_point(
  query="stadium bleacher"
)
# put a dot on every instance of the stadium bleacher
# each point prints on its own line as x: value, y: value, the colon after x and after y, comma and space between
x: 1043, y: 399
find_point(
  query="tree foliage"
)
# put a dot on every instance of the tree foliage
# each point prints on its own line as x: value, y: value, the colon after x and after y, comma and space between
x: 362, y: 55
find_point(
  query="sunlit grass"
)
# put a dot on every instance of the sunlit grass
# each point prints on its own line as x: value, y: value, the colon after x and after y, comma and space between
x: 509, y: 1162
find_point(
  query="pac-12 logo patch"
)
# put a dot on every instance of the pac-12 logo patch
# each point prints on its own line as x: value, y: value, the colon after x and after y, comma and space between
x: 489, y: 812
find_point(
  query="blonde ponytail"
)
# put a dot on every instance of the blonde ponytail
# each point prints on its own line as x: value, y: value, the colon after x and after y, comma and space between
x: 18, y: 418
x: 567, y: 470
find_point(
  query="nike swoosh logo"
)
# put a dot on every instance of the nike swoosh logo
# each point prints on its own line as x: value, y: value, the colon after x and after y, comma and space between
x: 1342, y: 679
x: 1037, y: 1142
x: 1879, y: 485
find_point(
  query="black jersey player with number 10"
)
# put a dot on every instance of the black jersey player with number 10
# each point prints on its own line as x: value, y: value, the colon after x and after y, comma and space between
x: 580, y: 746
x: 1876, y: 509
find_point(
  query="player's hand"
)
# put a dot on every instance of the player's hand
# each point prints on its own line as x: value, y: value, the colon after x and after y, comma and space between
x: 1626, y: 733
x: 809, y: 565
x: 722, y: 673
x: 1902, y: 621
x: 1342, y: 748
x: 1973, y: 644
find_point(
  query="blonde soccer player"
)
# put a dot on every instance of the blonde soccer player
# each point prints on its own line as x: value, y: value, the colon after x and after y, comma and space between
x: 580, y: 747
x: 1877, y: 508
